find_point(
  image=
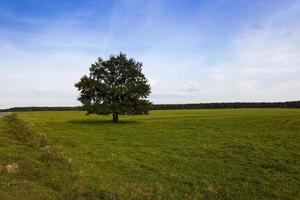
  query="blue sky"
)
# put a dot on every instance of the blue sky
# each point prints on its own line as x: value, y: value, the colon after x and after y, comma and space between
x: 192, y: 51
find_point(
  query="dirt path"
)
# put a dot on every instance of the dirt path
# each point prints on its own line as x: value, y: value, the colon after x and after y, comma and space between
x: 2, y: 114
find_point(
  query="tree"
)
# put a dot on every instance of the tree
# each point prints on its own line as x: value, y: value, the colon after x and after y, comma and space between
x: 115, y: 86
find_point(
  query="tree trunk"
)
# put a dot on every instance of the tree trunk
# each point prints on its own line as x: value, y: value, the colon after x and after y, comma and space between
x: 115, y: 117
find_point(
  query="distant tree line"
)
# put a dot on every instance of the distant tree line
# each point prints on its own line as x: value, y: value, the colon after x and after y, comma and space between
x: 25, y: 109
x: 289, y: 104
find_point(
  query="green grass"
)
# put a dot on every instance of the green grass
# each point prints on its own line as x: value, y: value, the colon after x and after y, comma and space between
x: 182, y: 154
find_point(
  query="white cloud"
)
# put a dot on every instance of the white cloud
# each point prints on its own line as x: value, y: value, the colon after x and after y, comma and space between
x: 153, y: 83
x: 262, y: 62
x: 191, y: 86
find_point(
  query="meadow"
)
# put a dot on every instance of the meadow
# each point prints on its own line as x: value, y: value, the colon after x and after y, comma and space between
x: 175, y: 154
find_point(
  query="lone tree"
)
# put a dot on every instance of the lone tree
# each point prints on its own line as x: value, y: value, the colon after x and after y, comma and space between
x: 115, y: 86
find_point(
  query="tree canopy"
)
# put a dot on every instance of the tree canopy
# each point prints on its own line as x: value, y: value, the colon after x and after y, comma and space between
x: 115, y: 86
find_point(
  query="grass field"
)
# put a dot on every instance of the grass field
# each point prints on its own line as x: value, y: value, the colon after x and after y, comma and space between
x: 182, y: 154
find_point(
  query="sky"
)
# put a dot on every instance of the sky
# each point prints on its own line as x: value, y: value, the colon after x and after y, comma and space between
x: 192, y: 50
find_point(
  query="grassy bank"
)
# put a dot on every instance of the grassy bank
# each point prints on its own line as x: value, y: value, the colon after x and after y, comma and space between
x: 33, y: 168
x: 183, y: 154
